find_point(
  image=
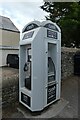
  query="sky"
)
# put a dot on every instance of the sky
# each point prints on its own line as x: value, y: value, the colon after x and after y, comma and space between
x: 22, y: 11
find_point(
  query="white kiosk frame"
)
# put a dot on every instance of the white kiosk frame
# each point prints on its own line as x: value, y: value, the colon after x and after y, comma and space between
x: 40, y: 65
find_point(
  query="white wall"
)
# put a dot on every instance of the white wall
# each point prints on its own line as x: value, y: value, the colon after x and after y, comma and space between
x: 9, y: 38
x: 4, y: 53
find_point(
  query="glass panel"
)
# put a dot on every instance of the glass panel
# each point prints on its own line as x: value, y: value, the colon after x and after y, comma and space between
x: 27, y: 69
x: 51, y: 67
x: 51, y: 70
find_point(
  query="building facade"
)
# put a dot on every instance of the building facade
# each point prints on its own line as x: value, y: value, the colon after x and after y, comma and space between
x: 9, y: 39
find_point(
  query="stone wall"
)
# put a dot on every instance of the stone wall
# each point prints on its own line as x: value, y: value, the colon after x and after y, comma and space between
x: 10, y: 84
x: 67, y: 61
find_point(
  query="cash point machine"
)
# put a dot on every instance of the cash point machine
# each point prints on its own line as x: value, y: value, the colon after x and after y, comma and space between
x: 40, y: 65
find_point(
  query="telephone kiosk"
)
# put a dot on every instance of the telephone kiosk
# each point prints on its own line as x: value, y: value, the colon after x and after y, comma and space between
x: 40, y: 65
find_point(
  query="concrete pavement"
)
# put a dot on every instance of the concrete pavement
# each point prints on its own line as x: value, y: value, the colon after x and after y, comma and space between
x: 67, y: 107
